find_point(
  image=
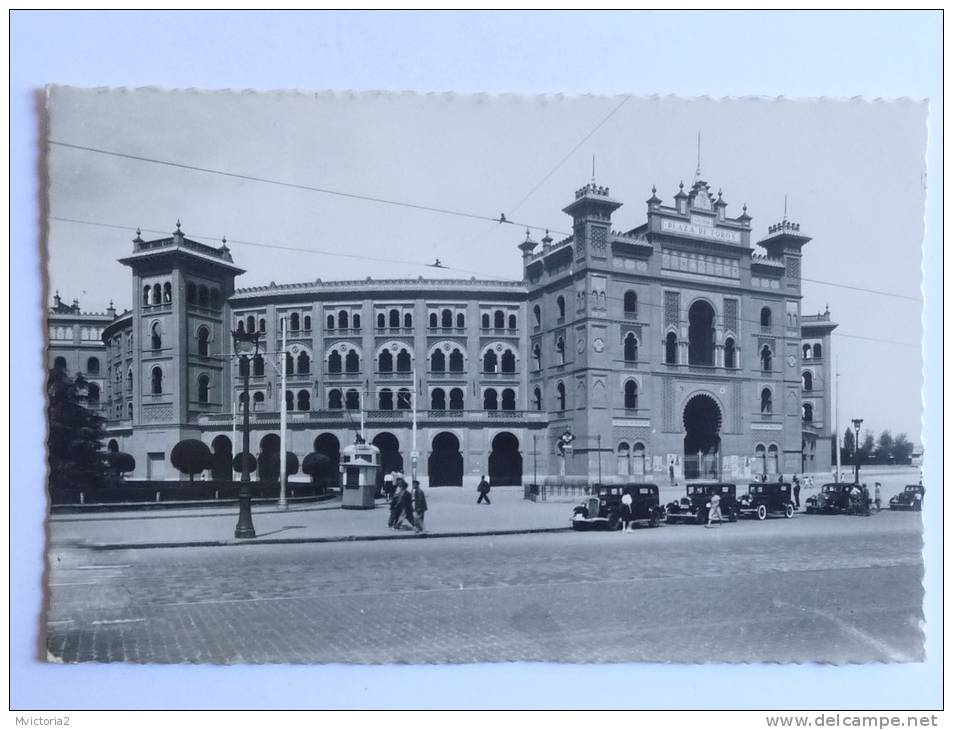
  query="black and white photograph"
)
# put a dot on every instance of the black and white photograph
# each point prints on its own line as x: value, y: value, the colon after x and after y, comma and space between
x: 453, y: 379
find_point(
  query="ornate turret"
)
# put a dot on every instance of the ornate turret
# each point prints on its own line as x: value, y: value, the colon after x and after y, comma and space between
x: 527, y: 247
x: 654, y: 201
x: 591, y: 213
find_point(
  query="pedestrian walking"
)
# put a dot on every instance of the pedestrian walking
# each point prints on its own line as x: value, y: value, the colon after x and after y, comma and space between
x: 626, y: 512
x: 797, y: 493
x: 484, y: 489
x: 395, y: 507
x: 877, y: 495
x: 407, y: 506
x: 714, y: 511
x: 420, y: 507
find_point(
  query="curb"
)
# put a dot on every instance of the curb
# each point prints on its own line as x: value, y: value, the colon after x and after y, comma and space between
x: 309, y: 540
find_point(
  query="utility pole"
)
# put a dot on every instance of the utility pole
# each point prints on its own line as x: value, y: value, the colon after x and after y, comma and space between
x: 535, y: 457
x: 599, y: 449
x: 857, y: 422
x: 283, y: 468
x: 413, y: 428
x: 836, y: 414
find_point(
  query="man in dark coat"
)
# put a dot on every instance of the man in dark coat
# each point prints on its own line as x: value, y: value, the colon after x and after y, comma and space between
x: 396, y: 506
x: 484, y: 489
x: 407, y: 505
x: 420, y: 507
x: 797, y: 493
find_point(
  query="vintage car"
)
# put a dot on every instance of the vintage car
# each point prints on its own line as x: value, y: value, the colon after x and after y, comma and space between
x: 696, y: 503
x: 840, y: 498
x: 603, y: 510
x: 910, y: 498
x: 765, y: 498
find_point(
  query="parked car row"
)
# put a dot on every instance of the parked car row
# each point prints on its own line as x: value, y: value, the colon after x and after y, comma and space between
x: 610, y: 506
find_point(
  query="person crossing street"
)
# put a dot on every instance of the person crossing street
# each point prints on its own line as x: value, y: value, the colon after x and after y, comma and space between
x: 484, y: 489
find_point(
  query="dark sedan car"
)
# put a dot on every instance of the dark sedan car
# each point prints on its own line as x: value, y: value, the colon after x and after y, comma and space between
x: 911, y: 498
x: 694, y: 506
x: 765, y: 498
x: 840, y: 498
x: 604, y: 510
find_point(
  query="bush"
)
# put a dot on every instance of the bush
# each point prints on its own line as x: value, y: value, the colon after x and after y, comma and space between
x: 191, y: 457
x: 120, y: 462
x: 237, y: 462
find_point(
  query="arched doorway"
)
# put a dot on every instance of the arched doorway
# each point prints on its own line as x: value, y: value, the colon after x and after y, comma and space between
x: 505, y: 463
x: 445, y: 465
x: 701, y: 334
x: 391, y: 459
x: 268, y: 466
x: 222, y: 458
x: 702, y: 421
x: 328, y: 445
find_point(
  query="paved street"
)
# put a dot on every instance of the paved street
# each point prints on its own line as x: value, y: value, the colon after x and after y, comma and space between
x: 831, y: 589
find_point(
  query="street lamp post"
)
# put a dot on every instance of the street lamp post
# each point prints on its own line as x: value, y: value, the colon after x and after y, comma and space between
x: 857, y: 422
x: 246, y: 347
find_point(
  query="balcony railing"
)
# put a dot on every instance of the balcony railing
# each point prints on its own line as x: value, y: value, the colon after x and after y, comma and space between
x: 347, y: 416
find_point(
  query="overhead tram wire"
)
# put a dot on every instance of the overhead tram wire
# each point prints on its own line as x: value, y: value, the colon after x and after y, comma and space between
x: 367, y: 198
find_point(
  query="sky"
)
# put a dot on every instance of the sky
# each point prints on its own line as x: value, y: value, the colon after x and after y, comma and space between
x: 853, y: 174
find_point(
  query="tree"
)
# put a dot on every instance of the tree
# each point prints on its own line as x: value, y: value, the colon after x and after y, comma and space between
x: 847, y: 451
x: 237, y: 462
x: 316, y: 465
x: 191, y: 456
x: 120, y: 462
x: 270, y: 466
x: 884, y: 451
x: 902, y: 448
x: 75, y: 435
x: 867, y: 447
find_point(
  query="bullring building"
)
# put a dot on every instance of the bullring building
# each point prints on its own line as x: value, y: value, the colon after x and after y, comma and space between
x: 670, y: 348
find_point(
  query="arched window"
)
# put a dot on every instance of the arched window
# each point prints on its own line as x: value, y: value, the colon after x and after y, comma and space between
x: 403, y: 399
x: 817, y: 352
x: 334, y: 362
x: 214, y: 298
x: 385, y: 400
x: 129, y: 411
x: 560, y: 351
x: 766, y: 403
x: 92, y: 366
x: 261, y: 324
x: 807, y: 380
x: 385, y: 362
x: 630, y: 303
x: 432, y: 319
x: 489, y: 361
x: 304, y: 400
x: 156, y: 336
x: 485, y: 321
x: 289, y: 400
x: 631, y: 395
x: 499, y: 319
x: 258, y: 400
x: 258, y: 366
x: 461, y: 320
x: 456, y: 399
x: 561, y: 307
x: 156, y: 380
x: 334, y: 400
x: 760, y: 459
x: 294, y: 322
x: 307, y: 322
x: 772, y: 459
x: 730, y: 353
x: 456, y: 361
x: 146, y: 290
x: 537, y: 316
x: 356, y: 322
x: 806, y: 352
x: 190, y: 296
x: 289, y: 364
x: 393, y: 318
x: 438, y: 400
x: 352, y: 362
x: 203, y: 388
x: 622, y: 459
x: 446, y: 318
x: 511, y: 322
x: 537, y: 357
x: 638, y: 459
x: 701, y: 334
x: 403, y: 361
x: 631, y: 348
x: 250, y: 324
x: 203, y: 335
x: 765, y: 316
x: 408, y: 320
x: 240, y: 328
x: 243, y: 366
x: 92, y: 394
x: 438, y: 361
x: 329, y: 324
x: 156, y: 294
x: 508, y: 362
x: 560, y: 397
x: 508, y: 400
x: 807, y: 413
x: 167, y: 292
x: 352, y: 400
x: 766, y: 359
x: 342, y: 320
x: 537, y: 398
x: 129, y: 380
x: 243, y: 398
x: 203, y: 296
x: 490, y: 400
x: 304, y: 363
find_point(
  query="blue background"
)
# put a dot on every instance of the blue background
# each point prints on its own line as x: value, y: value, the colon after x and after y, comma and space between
x: 794, y: 54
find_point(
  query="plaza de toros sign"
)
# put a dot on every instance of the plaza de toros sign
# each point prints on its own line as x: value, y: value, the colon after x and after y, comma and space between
x: 681, y: 228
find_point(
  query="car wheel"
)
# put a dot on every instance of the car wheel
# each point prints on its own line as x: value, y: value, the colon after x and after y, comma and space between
x: 733, y: 514
x: 701, y: 517
x: 762, y: 512
x: 614, y: 523
x: 789, y: 510
x: 918, y: 506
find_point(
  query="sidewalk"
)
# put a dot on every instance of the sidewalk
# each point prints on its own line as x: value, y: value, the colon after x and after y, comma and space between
x: 452, y: 512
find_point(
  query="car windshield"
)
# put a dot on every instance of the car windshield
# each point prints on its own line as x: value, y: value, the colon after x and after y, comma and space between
x: 912, y: 488
x: 832, y: 487
x: 755, y: 489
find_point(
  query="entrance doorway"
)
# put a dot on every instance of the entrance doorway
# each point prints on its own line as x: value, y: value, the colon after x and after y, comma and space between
x: 328, y: 445
x: 702, y: 421
x: 445, y: 464
x: 391, y: 460
x: 222, y: 458
x: 506, y: 462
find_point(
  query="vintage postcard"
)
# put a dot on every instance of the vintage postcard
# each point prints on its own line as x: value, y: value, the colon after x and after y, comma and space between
x: 379, y: 378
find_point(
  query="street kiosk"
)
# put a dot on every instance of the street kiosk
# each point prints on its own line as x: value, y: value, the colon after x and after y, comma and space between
x: 360, y: 463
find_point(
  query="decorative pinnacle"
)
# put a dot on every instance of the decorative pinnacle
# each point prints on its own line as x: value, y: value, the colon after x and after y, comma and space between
x: 224, y: 240
x: 138, y: 231
x: 681, y: 185
x: 178, y: 225
x: 653, y: 190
